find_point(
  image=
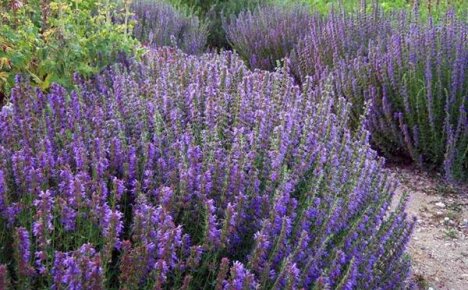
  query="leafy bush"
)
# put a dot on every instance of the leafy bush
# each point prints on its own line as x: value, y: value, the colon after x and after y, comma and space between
x: 193, y: 172
x: 160, y: 24
x: 268, y: 34
x: 48, y: 41
x: 418, y: 84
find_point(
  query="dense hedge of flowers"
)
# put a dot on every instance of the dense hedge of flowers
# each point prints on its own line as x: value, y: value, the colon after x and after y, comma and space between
x: 193, y: 172
x: 411, y: 72
x: 268, y: 34
x: 417, y: 83
x: 160, y: 24
x: 340, y: 36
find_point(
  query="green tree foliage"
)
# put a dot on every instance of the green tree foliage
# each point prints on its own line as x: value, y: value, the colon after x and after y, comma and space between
x: 48, y: 41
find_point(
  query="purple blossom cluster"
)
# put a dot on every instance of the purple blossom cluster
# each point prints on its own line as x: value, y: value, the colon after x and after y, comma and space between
x: 80, y: 269
x: 266, y: 35
x: 158, y: 24
x: 187, y: 172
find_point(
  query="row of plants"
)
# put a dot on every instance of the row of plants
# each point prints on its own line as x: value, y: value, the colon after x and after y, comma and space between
x: 212, y: 12
x: 49, y: 41
x: 418, y: 98
x: 188, y: 172
x: 411, y: 72
x: 417, y: 83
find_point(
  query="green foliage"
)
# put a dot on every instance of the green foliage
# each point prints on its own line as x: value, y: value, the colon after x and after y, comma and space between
x: 50, y: 41
x: 185, y: 7
x: 426, y: 8
x: 434, y: 8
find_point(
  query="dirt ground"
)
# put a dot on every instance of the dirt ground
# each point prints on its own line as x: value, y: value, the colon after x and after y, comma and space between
x: 439, y: 245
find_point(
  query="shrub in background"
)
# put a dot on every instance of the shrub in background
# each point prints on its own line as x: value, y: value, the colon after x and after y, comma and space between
x: 48, y: 41
x: 418, y: 85
x: 266, y: 35
x: 193, y: 172
x: 340, y: 36
x: 213, y: 11
x: 160, y: 24
x: 227, y: 9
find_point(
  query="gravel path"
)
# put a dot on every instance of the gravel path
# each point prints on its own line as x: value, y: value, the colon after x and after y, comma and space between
x: 439, y: 245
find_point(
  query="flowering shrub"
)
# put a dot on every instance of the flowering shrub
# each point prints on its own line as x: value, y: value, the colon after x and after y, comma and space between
x: 341, y: 36
x: 193, y: 172
x: 268, y: 34
x: 418, y: 84
x: 160, y: 24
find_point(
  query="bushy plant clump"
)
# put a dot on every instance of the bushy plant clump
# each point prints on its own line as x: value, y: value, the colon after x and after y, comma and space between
x: 339, y: 37
x: 189, y: 173
x: 417, y: 83
x: 268, y: 34
x: 48, y: 41
x: 160, y: 24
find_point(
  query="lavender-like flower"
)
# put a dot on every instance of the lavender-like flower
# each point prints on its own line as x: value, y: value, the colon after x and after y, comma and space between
x: 240, y: 278
x: 23, y: 252
x: 42, y: 228
x: 3, y: 191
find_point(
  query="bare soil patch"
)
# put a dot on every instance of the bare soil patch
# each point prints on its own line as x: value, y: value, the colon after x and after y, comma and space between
x: 439, y: 245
